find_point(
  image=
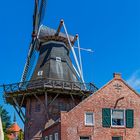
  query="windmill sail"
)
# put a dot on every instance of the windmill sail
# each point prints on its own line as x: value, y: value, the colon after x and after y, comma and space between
x: 39, y: 13
x: 1, y: 130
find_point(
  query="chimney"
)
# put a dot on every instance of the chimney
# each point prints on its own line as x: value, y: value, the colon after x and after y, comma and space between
x: 117, y: 75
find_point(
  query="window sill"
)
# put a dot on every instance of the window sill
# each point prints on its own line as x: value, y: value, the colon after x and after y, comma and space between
x: 118, y: 127
x: 89, y: 125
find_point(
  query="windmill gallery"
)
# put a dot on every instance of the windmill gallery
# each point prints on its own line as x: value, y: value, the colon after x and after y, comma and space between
x: 58, y: 104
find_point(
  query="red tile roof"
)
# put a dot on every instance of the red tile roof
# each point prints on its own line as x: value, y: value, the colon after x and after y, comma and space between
x: 14, y: 128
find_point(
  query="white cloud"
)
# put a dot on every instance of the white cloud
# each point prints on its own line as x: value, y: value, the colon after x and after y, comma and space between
x: 134, y: 80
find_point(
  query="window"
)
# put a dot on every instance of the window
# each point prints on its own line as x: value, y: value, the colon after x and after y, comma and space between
x: 37, y: 107
x: 56, y: 136
x: 116, y: 138
x: 50, y: 137
x: 46, y: 138
x: 89, y: 118
x: 84, y: 138
x: 118, y: 117
x: 62, y: 106
x: 58, y: 59
x: 40, y: 73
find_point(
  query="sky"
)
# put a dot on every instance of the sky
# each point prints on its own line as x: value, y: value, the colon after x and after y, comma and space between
x: 111, y: 28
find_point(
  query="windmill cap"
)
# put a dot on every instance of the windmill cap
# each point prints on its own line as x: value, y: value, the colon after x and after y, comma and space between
x: 47, y: 32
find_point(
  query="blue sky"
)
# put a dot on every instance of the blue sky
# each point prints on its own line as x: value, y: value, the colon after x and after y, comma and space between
x: 110, y: 28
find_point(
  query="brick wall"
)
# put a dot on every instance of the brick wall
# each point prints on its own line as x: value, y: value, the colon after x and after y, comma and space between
x: 116, y: 94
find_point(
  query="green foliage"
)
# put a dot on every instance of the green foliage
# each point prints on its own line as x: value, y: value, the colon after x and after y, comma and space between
x: 6, y: 122
x: 21, y: 135
x: 5, y: 117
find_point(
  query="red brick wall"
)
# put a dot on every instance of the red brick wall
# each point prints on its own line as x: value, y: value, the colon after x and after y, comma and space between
x: 72, y: 123
x: 35, y: 120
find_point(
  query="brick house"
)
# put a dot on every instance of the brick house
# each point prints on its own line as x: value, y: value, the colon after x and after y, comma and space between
x: 111, y: 113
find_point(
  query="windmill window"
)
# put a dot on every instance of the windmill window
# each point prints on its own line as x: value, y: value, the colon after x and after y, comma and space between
x: 40, y: 73
x: 62, y: 106
x: 58, y: 59
x: 37, y: 108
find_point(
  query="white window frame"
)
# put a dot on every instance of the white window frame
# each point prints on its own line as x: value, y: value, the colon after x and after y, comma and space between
x: 50, y: 137
x: 40, y: 73
x: 123, y: 116
x: 56, y: 136
x: 46, y: 138
x: 58, y: 59
x: 89, y: 124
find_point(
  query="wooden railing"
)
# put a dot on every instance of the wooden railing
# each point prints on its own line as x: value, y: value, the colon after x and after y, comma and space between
x: 49, y: 83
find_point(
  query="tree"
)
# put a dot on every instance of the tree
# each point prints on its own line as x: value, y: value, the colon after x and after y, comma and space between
x: 21, y: 135
x: 6, y: 122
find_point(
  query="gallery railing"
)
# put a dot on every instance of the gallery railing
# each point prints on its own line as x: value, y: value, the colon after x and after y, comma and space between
x: 47, y: 84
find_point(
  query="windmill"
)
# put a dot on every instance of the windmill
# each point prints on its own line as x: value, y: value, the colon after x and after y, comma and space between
x: 50, y: 83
